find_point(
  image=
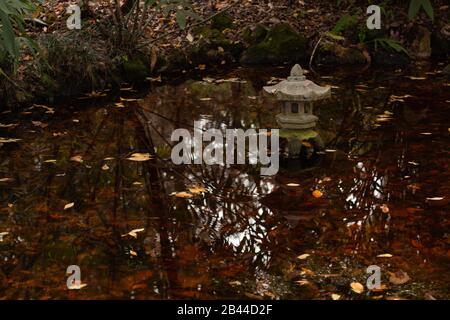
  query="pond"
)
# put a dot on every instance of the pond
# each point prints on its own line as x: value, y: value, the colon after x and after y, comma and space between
x: 377, y: 195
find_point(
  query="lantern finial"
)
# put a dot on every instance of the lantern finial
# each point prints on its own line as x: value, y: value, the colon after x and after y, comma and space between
x: 296, y: 71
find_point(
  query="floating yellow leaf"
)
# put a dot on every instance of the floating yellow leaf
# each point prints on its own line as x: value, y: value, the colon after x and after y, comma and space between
x: 307, y: 272
x: 9, y: 125
x: 182, y: 194
x: 8, y: 140
x: 196, y: 190
x: 435, y: 199
x: 335, y: 296
x: 385, y: 255
x: 105, y: 167
x: 77, y: 285
x: 69, y: 205
x: 77, y: 159
x: 139, y: 157
x: 50, y: 161
x: 133, y: 233
x: 2, y: 234
x: 317, y: 194
x: 133, y: 253
x: 293, y: 185
x: 357, y: 287
x: 5, y: 179
x: 417, y: 78
x: 303, y: 256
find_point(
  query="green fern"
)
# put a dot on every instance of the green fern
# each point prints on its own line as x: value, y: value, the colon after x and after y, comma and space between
x: 415, y: 5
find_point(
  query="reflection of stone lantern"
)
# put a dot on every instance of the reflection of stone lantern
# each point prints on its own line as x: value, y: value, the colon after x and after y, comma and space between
x: 297, y: 95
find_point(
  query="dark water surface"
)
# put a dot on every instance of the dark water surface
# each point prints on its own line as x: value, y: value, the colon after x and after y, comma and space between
x: 227, y: 232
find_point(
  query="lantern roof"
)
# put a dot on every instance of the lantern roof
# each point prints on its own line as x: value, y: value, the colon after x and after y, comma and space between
x: 298, y: 88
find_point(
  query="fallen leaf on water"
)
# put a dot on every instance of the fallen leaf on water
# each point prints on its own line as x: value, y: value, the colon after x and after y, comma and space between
x: 335, y: 296
x: 303, y: 256
x: 435, y: 199
x: 77, y: 285
x: 139, y: 157
x: 357, y: 287
x: 317, y: 194
x: 133, y: 233
x: 196, y: 190
x: 293, y: 185
x: 306, y: 271
x: 130, y: 99
x: 417, y: 78
x: 9, y: 125
x: 302, y: 282
x: 205, y: 99
x: 330, y: 150
x: 385, y: 255
x: 384, y: 208
x: 381, y: 288
x: 119, y: 105
x: 5, y: 179
x: 2, y: 234
x: 133, y: 253
x: 105, y: 167
x: 399, y: 277
x: 234, y: 283
x: 182, y: 194
x: 69, y: 205
x: 202, y: 66
x: 50, y: 161
x: 190, y: 38
x: 78, y: 159
x: 8, y: 140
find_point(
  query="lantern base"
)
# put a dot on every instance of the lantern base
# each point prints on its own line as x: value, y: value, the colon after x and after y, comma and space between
x: 306, y: 121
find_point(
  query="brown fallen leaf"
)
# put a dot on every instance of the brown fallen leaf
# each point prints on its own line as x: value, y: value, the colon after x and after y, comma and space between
x: 399, y: 277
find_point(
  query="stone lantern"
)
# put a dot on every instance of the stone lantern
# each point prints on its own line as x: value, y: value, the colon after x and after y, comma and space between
x: 296, y: 95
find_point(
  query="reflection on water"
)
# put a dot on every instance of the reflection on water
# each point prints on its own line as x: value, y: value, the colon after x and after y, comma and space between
x: 224, y: 231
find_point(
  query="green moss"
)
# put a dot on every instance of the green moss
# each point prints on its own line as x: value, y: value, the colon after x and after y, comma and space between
x: 214, y: 37
x: 281, y: 44
x: 222, y: 21
x: 135, y: 69
x: 254, y: 35
x: 332, y: 53
x: 50, y: 84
